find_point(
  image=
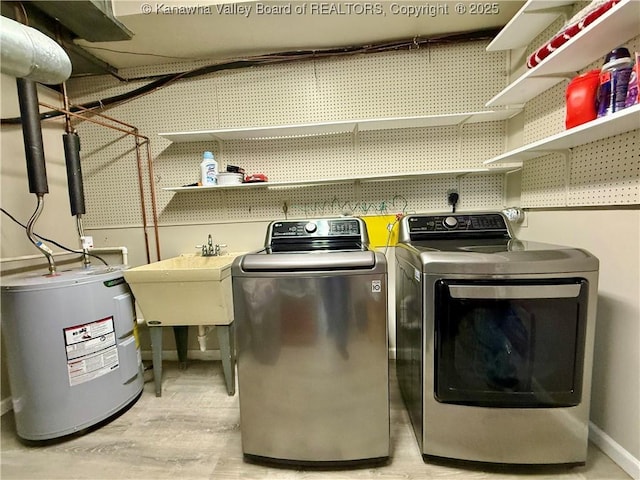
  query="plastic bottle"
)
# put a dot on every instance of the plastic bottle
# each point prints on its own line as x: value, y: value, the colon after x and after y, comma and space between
x: 581, y: 98
x: 208, y: 170
x: 614, y: 80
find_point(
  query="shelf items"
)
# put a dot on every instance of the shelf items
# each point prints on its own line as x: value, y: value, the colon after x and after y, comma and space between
x: 361, y: 179
x: 330, y: 128
x: 613, y: 28
x: 531, y: 19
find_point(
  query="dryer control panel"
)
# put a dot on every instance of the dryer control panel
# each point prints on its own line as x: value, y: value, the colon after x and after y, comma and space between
x: 454, y: 225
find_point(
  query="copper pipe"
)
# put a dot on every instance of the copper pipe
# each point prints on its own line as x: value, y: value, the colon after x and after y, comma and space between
x: 82, y: 117
x: 142, y: 202
x: 100, y: 114
x: 146, y: 142
x: 65, y: 96
x: 65, y: 100
x: 153, y: 193
x: 133, y: 131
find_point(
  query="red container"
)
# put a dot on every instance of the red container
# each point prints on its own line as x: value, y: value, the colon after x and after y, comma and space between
x: 581, y: 98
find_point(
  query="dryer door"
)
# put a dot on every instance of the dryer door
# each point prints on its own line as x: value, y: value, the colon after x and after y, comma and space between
x: 510, y: 343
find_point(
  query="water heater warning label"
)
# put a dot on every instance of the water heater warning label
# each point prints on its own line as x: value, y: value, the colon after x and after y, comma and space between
x: 91, y: 350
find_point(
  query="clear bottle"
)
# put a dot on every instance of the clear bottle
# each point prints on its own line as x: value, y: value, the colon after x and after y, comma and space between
x: 208, y: 170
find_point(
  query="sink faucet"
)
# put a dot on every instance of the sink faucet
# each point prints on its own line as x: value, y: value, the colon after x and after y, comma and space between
x: 211, y: 250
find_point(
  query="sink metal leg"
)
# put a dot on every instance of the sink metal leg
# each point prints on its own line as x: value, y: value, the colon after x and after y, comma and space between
x: 156, y: 352
x: 181, y: 334
x: 228, y: 355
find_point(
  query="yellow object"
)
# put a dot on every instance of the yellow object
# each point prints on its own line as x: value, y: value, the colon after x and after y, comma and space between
x: 378, y: 229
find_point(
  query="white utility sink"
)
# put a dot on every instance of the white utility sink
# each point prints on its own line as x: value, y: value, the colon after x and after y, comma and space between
x: 186, y: 290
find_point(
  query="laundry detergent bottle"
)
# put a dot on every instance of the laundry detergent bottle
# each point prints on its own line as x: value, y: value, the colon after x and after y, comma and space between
x: 208, y: 170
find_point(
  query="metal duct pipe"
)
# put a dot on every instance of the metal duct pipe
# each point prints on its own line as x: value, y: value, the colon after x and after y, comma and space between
x: 28, y: 53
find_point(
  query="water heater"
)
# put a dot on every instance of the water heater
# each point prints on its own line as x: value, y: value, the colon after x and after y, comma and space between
x: 72, y: 349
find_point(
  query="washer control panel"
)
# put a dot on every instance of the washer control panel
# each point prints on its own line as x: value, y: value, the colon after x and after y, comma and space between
x: 453, y: 224
x: 337, y: 227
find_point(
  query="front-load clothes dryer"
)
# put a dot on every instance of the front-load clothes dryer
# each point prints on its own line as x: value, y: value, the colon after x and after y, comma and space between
x: 311, y: 329
x: 494, y: 341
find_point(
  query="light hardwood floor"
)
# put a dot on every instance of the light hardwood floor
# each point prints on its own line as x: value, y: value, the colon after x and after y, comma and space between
x: 193, y: 432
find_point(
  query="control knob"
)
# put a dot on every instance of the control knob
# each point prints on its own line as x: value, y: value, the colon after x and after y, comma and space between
x: 450, y: 222
x: 310, y: 227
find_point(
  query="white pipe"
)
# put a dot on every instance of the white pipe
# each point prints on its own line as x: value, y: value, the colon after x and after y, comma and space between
x: 32, y: 257
x: 123, y: 251
x: 28, y: 53
x: 203, y: 331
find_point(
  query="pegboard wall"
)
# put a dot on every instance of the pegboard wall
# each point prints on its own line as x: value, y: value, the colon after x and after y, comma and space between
x: 440, y: 79
x: 436, y: 80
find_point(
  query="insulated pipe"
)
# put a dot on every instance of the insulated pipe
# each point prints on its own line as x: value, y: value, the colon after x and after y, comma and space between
x: 28, y: 53
x: 71, y: 143
x: 32, y: 135
x: 34, y: 154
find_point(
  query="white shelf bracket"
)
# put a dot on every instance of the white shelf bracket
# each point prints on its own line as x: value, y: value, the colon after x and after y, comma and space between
x: 566, y: 152
x: 219, y: 147
x: 357, y: 189
x: 355, y: 134
x: 461, y: 125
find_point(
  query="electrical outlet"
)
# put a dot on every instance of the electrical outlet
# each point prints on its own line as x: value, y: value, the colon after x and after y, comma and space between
x: 453, y: 197
x: 87, y: 242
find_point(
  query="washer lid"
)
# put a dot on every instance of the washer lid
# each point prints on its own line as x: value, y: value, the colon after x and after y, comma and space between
x: 309, y: 261
x: 492, y: 258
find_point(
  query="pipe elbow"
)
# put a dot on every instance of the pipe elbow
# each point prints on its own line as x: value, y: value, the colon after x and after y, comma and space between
x: 29, y: 53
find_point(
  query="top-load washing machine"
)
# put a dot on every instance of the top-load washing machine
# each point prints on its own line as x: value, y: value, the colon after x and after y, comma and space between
x: 494, y: 341
x: 311, y: 328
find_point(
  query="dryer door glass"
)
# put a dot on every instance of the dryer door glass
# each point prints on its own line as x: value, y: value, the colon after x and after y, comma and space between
x: 511, y: 343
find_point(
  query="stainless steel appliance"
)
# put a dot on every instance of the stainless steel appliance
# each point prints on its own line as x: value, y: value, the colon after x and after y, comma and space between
x: 311, y: 328
x: 494, y: 341
x: 73, y: 353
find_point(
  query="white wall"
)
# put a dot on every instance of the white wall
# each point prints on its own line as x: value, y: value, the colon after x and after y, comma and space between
x: 614, y: 237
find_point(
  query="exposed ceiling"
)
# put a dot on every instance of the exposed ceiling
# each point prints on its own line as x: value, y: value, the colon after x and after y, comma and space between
x: 180, y: 30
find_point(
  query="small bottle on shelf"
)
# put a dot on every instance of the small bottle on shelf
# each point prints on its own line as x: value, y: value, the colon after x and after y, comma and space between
x: 614, y: 80
x: 208, y: 170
